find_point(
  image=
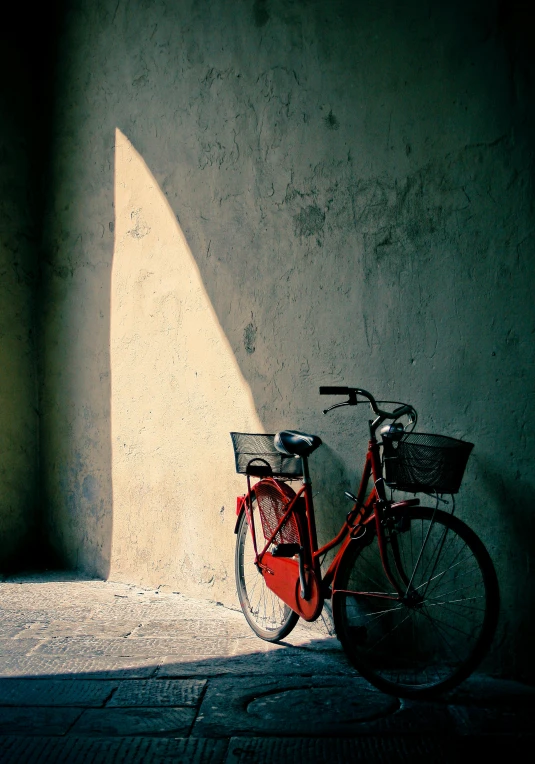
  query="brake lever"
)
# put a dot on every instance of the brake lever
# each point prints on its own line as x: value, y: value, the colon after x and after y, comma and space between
x: 337, y: 405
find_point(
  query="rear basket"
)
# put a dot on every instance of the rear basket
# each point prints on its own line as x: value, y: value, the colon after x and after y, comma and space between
x: 259, y: 450
x: 421, y: 462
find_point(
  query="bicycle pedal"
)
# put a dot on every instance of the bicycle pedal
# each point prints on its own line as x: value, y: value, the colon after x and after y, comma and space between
x: 285, y: 550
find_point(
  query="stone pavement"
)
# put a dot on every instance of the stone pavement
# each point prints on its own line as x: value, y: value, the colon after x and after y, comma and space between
x: 94, y: 671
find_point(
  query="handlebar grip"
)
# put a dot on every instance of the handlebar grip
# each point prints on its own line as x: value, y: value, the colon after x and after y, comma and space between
x: 334, y: 390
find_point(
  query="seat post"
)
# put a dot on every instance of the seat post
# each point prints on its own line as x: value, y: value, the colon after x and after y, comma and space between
x: 310, y: 518
x: 306, y: 473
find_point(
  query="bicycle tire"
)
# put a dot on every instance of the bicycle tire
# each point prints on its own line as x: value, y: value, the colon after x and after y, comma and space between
x: 430, y: 645
x: 267, y: 615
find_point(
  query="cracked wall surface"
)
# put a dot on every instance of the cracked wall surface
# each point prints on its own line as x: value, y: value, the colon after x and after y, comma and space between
x: 349, y: 187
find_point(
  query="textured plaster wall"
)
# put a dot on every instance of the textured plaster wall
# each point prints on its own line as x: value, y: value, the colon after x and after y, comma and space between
x: 255, y: 198
x: 18, y: 253
x: 176, y: 391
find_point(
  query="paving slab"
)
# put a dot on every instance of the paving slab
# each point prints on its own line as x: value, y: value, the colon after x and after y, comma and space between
x: 481, y: 690
x: 187, y: 628
x: 508, y: 748
x: 94, y: 628
x: 80, y: 667
x: 11, y: 630
x: 281, y: 662
x: 172, y: 722
x: 74, y: 615
x: 338, y: 751
x: 37, y: 721
x: 165, y: 610
x: 294, y: 706
x: 129, y: 750
x: 52, y: 692
x: 158, y: 692
x: 125, y: 673
x: 473, y: 720
x: 127, y: 648
x: 17, y: 646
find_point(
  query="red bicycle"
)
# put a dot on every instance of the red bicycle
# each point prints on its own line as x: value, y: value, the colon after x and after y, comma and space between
x: 414, y: 593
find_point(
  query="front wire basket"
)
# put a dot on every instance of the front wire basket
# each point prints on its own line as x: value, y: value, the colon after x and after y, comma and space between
x: 249, y: 447
x: 422, y: 462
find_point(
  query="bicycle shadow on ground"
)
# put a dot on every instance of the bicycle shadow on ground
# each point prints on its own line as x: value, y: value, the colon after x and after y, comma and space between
x: 286, y: 691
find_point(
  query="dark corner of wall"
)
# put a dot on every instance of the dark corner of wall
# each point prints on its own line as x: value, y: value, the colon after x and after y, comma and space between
x: 28, y: 46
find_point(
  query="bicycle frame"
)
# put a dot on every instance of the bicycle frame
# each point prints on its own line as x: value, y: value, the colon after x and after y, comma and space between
x: 434, y: 601
x: 369, y: 507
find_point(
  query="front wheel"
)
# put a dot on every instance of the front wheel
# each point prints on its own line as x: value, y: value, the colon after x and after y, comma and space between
x: 436, y: 634
x: 268, y: 616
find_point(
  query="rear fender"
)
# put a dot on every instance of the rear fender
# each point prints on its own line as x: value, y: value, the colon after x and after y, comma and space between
x: 240, y: 509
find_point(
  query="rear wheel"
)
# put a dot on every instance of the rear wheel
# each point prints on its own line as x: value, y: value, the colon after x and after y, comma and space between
x: 435, y: 635
x: 268, y: 616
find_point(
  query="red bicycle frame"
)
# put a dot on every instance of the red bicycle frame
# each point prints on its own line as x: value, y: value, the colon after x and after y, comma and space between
x: 282, y: 574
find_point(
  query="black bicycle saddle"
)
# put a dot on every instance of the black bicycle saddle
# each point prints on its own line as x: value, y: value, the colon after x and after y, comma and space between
x: 294, y: 443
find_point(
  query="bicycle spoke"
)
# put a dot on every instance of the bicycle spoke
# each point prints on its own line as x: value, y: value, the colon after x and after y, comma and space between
x: 439, y: 575
x: 385, y: 612
x: 442, y: 637
x: 375, y: 616
x: 434, y: 557
x: 454, y: 591
x: 389, y: 634
x: 374, y: 580
x: 267, y: 615
x: 456, y: 612
x: 460, y: 603
x: 448, y: 625
x: 422, y: 548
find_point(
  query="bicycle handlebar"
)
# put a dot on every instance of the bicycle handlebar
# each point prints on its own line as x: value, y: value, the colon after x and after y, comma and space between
x: 354, y: 392
x: 334, y: 390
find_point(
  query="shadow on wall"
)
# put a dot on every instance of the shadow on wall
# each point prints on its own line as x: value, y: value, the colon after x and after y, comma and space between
x: 19, y: 212
x: 513, y: 542
x: 75, y: 447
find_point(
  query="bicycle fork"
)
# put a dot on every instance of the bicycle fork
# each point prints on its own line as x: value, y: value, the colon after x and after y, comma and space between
x: 388, y: 537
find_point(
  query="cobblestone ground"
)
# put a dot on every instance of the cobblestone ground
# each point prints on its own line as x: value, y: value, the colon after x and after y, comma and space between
x: 94, y: 671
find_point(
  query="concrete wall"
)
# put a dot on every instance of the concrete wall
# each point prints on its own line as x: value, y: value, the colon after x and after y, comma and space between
x: 255, y: 198
x: 18, y: 271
